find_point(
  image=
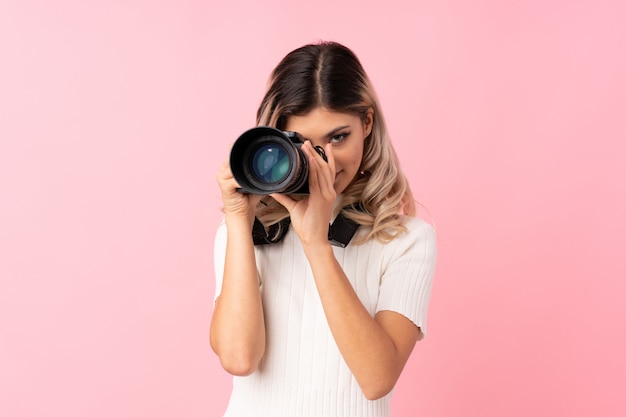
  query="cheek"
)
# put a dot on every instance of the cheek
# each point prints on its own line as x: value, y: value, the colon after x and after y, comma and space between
x: 357, y: 155
x: 349, y: 157
x: 348, y: 160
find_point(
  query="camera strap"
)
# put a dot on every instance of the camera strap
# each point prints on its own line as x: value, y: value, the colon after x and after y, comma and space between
x: 340, y: 232
x: 262, y: 235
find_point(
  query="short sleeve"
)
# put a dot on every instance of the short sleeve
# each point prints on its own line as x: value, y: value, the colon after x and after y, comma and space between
x: 219, y: 257
x: 407, y: 279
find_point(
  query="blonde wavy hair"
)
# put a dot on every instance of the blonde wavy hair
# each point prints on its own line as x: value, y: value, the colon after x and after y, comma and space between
x: 329, y: 75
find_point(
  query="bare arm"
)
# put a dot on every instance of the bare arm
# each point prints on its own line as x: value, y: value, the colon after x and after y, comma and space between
x: 375, y: 349
x: 237, y: 326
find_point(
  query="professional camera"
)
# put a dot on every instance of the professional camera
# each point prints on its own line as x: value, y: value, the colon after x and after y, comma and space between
x: 266, y: 160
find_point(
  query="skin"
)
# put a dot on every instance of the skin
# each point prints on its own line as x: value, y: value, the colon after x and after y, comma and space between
x: 375, y: 349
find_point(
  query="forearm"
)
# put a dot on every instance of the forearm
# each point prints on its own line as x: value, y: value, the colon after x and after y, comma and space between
x: 365, y: 345
x: 237, y: 326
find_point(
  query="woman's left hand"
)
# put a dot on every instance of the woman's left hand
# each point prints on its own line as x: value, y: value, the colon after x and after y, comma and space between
x: 310, y: 217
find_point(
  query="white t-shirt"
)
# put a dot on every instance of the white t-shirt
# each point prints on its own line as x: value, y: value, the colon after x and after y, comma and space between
x: 302, y: 373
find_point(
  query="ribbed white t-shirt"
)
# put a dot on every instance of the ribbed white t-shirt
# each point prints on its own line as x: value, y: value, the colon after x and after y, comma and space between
x: 302, y: 373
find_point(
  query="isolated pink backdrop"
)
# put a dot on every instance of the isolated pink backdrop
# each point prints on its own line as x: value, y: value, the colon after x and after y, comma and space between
x: 510, y: 120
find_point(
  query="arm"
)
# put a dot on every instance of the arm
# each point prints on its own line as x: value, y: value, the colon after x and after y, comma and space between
x: 237, y: 325
x: 375, y: 349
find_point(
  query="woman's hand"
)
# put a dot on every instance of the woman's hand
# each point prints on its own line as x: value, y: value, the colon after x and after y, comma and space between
x: 236, y: 204
x: 311, y: 216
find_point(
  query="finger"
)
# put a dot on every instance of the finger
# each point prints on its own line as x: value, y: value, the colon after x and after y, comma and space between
x: 318, y: 153
x: 314, y: 169
x: 225, y: 177
x: 224, y: 171
x: 324, y: 172
x: 255, y: 198
x: 325, y: 169
x: 330, y: 163
x: 284, y: 200
x: 331, y: 157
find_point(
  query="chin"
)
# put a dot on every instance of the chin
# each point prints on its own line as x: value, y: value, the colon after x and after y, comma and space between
x: 339, y: 189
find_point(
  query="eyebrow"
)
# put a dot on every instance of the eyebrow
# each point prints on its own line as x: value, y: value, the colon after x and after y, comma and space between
x: 335, y: 130
x: 332, y: 132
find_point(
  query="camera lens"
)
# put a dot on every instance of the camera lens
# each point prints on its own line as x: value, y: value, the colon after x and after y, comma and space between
x: 266, y: 160
x: 270, y: 163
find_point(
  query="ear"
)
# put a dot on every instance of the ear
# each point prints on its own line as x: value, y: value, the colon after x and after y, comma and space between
x: 368, y: 122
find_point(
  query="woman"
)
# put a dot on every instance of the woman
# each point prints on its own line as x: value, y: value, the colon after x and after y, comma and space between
x: 308, y: 327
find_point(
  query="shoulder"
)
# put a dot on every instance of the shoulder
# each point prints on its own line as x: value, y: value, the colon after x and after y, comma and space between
x: 417, y: 241
x: 418, y: 226
x: 418, y: 232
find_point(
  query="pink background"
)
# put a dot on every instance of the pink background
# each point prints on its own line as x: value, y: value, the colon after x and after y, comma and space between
x: 510, y: 119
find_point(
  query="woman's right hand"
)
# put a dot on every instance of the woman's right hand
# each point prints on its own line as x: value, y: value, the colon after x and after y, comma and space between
x: 236, y: 204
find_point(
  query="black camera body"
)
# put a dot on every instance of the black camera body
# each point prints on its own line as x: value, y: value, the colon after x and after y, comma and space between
x: 266, y: 160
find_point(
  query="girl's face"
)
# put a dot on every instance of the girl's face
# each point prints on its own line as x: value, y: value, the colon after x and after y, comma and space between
x: 346, y: 132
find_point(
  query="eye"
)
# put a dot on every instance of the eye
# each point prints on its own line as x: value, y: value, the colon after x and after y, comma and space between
x: 339, y: 138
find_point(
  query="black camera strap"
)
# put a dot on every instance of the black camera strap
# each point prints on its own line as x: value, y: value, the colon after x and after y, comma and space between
x: 340, y: 232
x: 262, y: 235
